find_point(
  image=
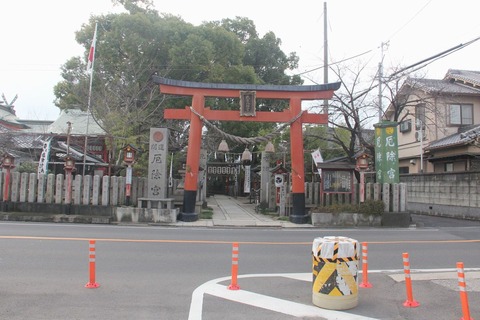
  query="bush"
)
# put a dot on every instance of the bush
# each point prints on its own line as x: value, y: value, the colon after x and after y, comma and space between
x: 373, y: 207
x: 369, y: 207
x: 28, y: 167
x: 206, y: 213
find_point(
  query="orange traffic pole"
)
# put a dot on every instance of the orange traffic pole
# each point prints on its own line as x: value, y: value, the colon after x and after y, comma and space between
x: 410, y: 303
x: 233, y: 285
x: 91, y: 257
x: 462, y: 287
x: 365, y: 283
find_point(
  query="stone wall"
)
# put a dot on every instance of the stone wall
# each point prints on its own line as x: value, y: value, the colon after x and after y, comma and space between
x: 444, y: 194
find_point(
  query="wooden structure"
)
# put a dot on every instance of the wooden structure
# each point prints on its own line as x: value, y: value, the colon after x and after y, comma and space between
x: 294, y: 94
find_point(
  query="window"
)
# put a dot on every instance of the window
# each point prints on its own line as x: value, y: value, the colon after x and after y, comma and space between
x: 403, y: 170
x: 420, y: 116
x: 449, y: 167
x: 460, y: 114
x: 406, y: 126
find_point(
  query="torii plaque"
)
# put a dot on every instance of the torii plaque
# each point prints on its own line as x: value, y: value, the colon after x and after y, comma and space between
x: 294, y: 94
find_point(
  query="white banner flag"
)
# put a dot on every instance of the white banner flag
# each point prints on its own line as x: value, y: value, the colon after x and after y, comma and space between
x: 43, y: 162
x: 317, y: 158
x: 246, y: 184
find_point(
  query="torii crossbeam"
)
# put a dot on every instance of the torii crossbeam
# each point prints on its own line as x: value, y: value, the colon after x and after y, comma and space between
x: 294, y: 94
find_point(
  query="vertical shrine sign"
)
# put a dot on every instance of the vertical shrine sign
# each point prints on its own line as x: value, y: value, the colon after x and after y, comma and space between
x: 157, y: 163
x: 386, y: 152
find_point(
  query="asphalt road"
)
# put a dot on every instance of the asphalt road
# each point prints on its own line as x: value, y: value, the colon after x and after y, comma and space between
x: 149, y: 272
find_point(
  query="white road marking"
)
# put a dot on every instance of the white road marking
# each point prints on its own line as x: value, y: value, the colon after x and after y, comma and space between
x: 293, y: 308
x: 262, y: 301
x: 434, y: 276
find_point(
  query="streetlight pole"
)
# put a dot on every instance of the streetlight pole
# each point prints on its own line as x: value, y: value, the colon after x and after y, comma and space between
x: 421, y: 146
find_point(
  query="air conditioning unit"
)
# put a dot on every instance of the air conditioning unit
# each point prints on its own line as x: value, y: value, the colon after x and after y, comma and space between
x: 406, y: 126
x: 418, y: 137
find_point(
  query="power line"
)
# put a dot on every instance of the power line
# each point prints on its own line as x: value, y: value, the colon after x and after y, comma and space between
x: 333, y: 63
x: 408, y: 22
x: 435, y: 57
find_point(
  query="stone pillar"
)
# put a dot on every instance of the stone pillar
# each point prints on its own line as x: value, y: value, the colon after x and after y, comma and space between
x: 59, y: 182
x: 77, y: 189
x: 158, y: 163
x: 386, y: 196
x: 96, y: 191
x: 264, y: 177
x: 15, y: 188
x: 87, y: 184
x: 32, y: 188
x: 377, y: 192
x: 114, y: 191
x: 121, y: 190
x: 2, y: 181
x: 42, y: 180
x: 403, y: 197
x: 135, y: 190
x: 105, y: 190
x: 23, y: 187
x: 50, y: 194
x: 396, y: 197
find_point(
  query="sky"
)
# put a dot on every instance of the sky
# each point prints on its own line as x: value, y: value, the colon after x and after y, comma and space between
x: 39, y: 36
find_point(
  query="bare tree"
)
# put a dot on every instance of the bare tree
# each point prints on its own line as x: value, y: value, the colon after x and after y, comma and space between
x: 352, y: 109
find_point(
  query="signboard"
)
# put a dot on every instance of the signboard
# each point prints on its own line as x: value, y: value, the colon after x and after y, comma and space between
x: 224, y: 169
x: 157, y: 163
x: 278, y: 180
x: 337, y: 181
x: 386, y: 152
x: 247, y: 103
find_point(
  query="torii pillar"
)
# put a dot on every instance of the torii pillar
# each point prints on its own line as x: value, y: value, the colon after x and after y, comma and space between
x: 294, y: 94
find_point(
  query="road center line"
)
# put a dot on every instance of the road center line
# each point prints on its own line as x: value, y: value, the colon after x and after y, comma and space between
x: 225, y: 242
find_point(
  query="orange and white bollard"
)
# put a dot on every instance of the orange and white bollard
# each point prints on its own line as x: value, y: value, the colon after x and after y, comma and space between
x: 233, y: 285
x: 365, y: 283
x: 410, y: 303
x: 462, y: 287
x: 91, y: 257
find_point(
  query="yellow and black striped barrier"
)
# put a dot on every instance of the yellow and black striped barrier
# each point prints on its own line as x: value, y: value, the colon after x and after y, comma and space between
x: 335, y: 268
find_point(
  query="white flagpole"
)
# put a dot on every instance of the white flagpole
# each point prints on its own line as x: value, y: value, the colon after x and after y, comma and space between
x: 90, y: 63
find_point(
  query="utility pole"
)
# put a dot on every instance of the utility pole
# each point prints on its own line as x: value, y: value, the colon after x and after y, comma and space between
x: 325, y: 55
x: 380, y: 79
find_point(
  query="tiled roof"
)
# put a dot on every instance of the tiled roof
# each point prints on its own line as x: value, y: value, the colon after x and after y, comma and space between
x: 36, y: 126
x: 19, y: 139
x: 79, y: 121
x: 460, y: 138
x: 471, y: 78
x: 7, y: 114
x: 441, y: 86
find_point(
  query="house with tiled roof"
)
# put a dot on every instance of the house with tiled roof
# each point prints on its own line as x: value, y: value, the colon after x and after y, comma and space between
x: 34, y: 140
x: 439, y: 125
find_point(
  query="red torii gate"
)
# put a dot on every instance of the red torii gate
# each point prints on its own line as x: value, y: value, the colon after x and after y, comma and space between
x: 294, y: 94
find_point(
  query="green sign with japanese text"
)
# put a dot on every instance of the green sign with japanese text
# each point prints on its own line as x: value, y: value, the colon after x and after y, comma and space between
x: 386, y: 152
